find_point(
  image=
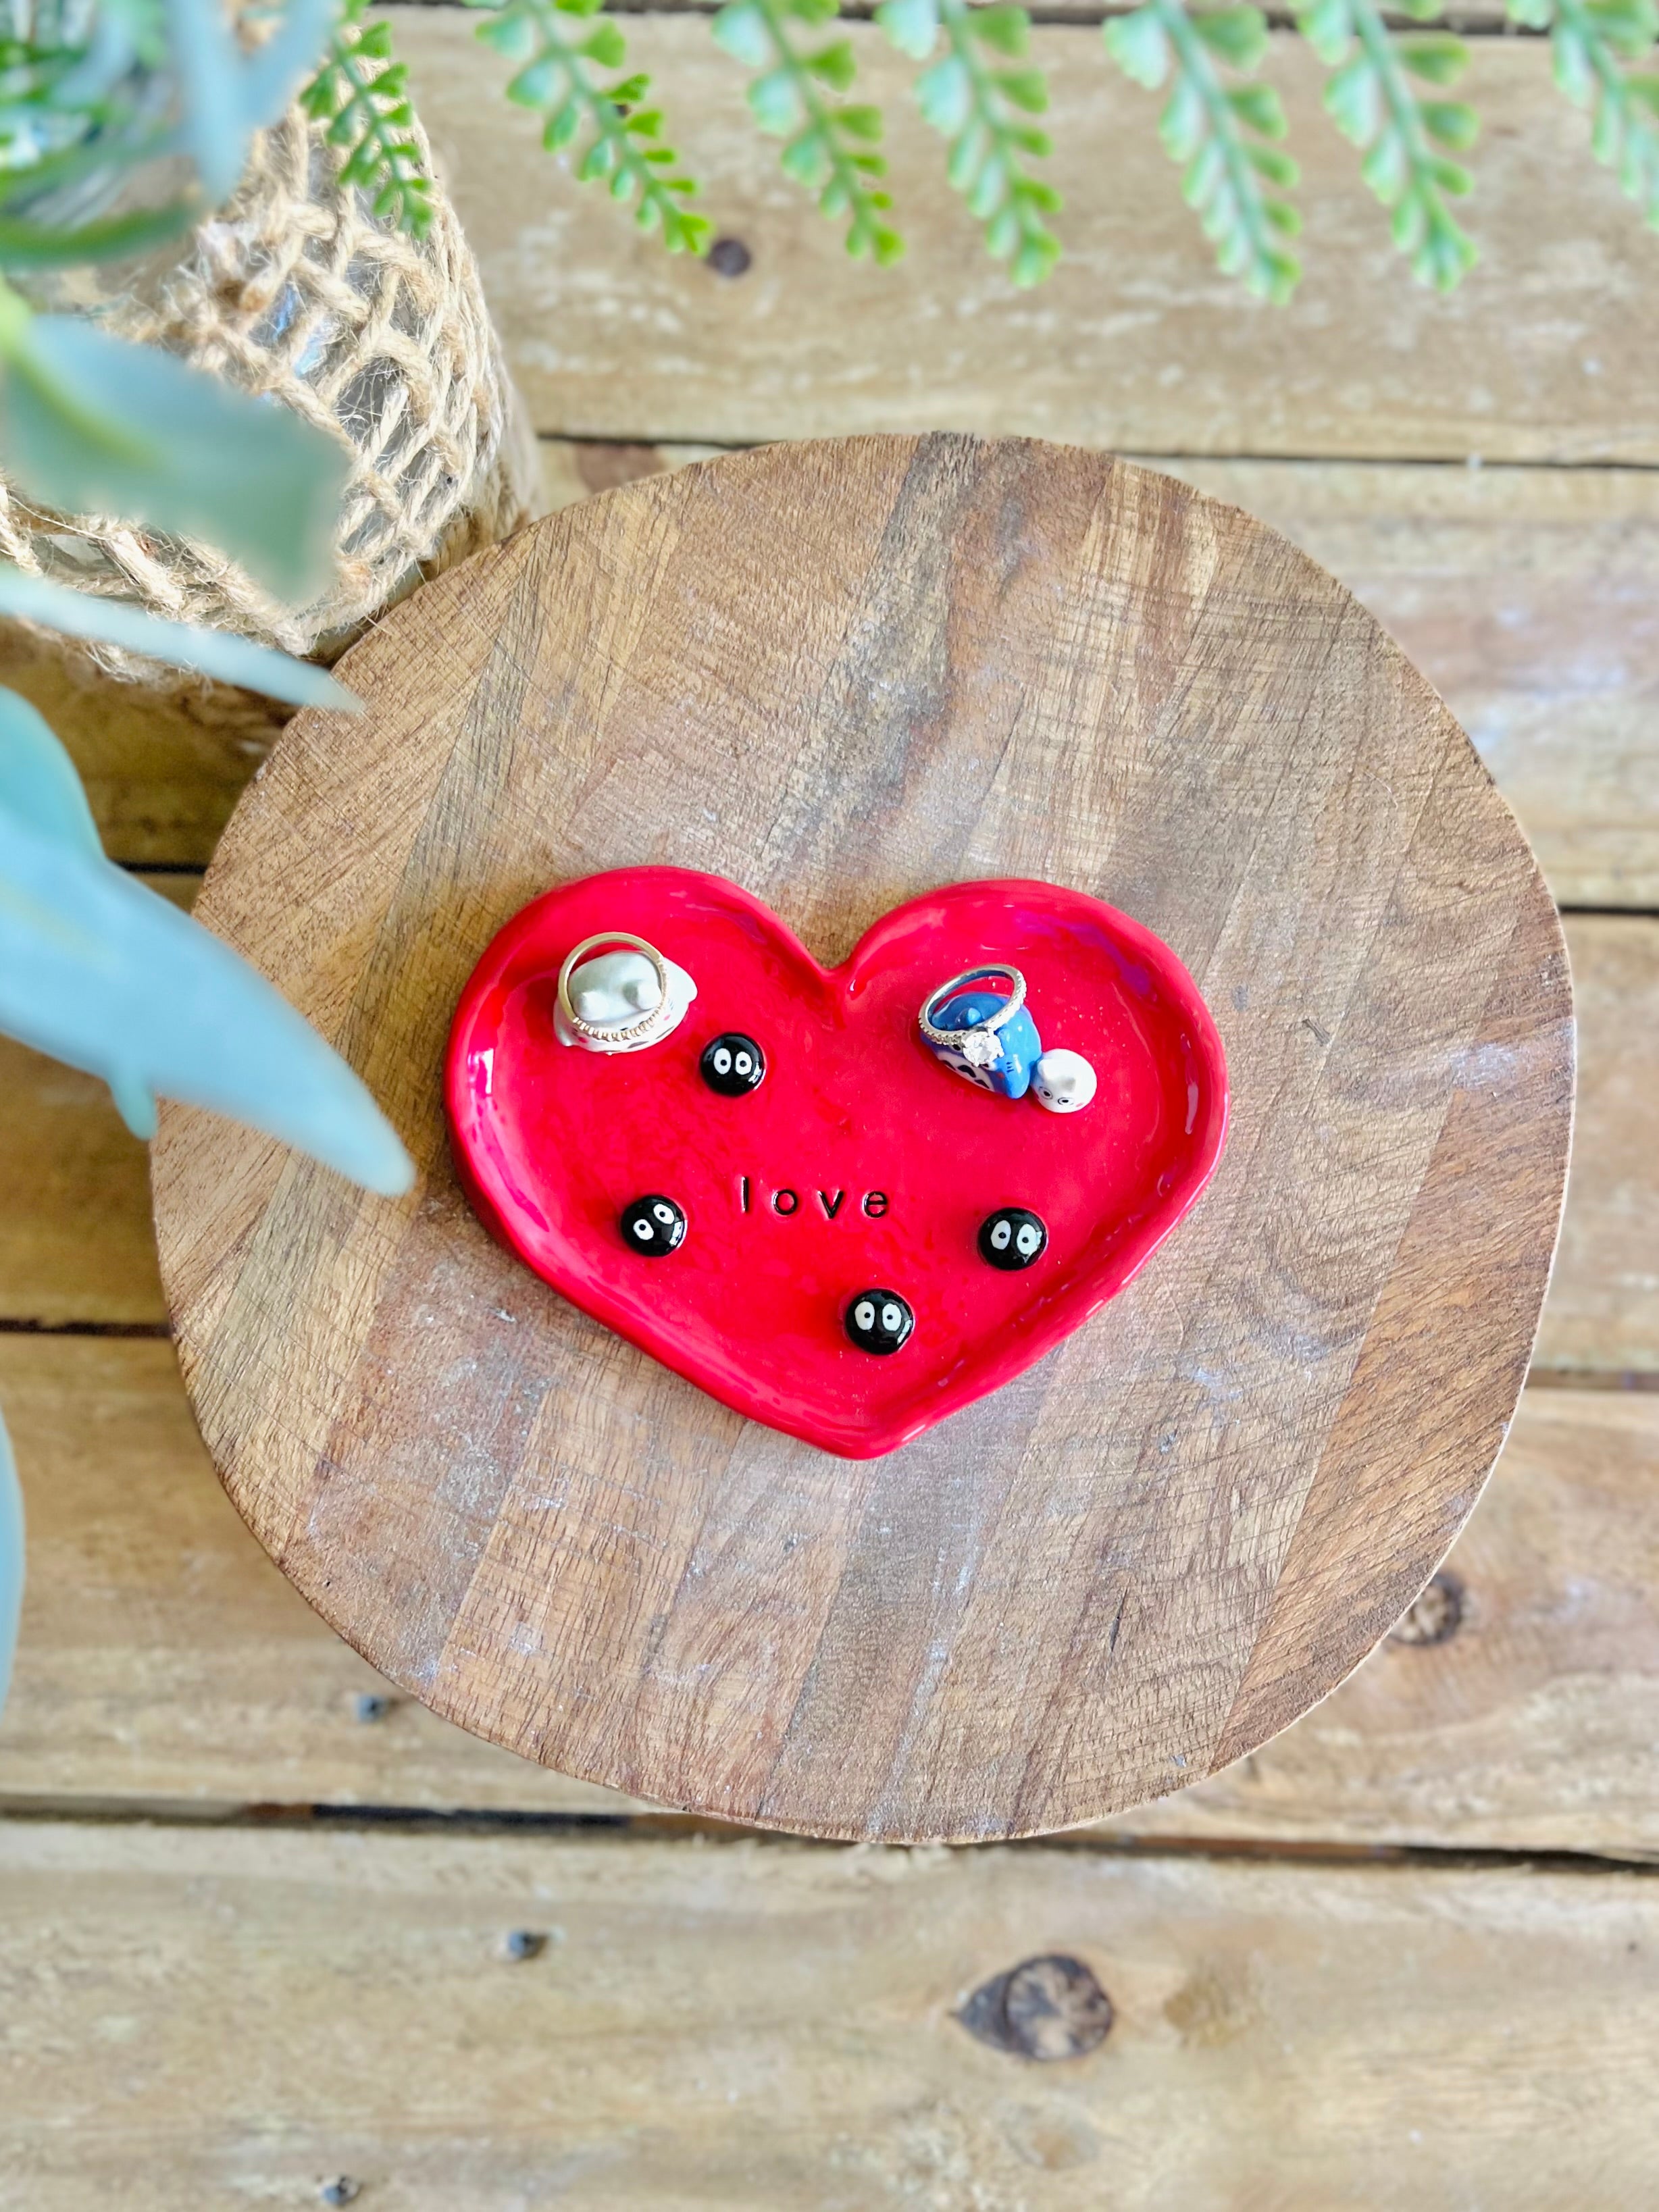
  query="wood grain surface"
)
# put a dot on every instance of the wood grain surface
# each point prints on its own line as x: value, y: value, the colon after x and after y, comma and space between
x: 842, y: 672
x: 1137, y: 343
x: 225, y: 2019
x: 1526, y: 596
x: 166, y: 1663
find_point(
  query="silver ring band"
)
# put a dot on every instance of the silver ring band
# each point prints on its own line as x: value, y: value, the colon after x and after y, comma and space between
x: 634, y: 1032
x: 988, y: 1027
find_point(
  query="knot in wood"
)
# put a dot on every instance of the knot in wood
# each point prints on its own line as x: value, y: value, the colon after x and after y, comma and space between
x: 1436, y: 1614
x: 1044, y: 2009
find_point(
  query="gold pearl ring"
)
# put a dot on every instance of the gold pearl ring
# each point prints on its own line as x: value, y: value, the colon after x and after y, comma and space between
x: 616, y: 1033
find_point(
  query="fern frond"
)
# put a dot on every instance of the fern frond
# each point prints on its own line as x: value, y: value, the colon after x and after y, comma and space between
x: 827, y: 144
x: 1408, y: 141
x: 558, y: 47
x: 362, y: 94
x: 1590, y: 40
x: 1217, y: 131
x: 979, y: 109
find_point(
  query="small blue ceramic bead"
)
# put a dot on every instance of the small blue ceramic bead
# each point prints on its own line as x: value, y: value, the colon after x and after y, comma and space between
x: 1009, y: 1075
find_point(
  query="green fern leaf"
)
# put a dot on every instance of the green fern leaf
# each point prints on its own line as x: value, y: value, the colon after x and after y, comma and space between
x: 1370, y: 99
x: 558, y: 47
x: 826, y: 140
x: 362, y: 94
x: 1214, y: 131
x: 1591, y: 41
x: 977, y: 106
x: 1437, y: 60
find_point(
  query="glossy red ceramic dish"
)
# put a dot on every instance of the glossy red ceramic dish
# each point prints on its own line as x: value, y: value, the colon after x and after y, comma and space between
x: 860, y: 1161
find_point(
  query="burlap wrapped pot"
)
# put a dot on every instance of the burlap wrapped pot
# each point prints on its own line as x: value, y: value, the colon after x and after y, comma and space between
x: 295, y: 290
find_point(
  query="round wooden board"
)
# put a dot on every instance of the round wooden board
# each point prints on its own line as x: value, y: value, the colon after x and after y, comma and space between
x: 841, y: 673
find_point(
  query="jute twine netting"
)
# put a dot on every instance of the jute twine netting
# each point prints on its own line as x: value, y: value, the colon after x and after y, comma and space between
x: 295, y: 290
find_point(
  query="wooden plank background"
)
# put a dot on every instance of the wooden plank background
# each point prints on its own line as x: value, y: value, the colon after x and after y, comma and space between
x: 710, y: 2026
x: 1342, y: 1976
x: 1137, y: 343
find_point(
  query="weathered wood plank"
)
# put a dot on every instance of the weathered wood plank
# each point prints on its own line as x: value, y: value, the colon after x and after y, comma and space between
x: 164, y: 1658
x: 1528, y: 1727
x: 1138, y: 344
x: 1526, y: 596
x: 1603, y: 1315
x: 235, y: 2018
x: 163, y: 770
x: 76, y: 1244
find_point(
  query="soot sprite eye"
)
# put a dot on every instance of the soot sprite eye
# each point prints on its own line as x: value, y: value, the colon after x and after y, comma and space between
x: 879, y: 1320
x: 1013, y: 1238
x: 732, y: 1065
x: 653, y: 1225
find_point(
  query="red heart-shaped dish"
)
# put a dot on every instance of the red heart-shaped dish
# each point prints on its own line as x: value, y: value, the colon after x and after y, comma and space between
x: 860, y: 1161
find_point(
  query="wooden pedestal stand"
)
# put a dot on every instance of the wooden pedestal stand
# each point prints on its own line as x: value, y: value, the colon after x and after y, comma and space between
x: 840, y: 673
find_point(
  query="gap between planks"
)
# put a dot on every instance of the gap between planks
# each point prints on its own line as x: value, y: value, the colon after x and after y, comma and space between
x: 319, y: 1817
x: 1479, y: 19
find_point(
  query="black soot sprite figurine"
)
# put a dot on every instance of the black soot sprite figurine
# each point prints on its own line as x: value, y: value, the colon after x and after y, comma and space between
x: 653, y: 1225
x: 1013, y: 1238
x: 879, y: 1320
x: 732, y: 1065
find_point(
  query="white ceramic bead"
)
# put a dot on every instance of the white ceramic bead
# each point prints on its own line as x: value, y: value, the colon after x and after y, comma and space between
x: 1063, y: 1081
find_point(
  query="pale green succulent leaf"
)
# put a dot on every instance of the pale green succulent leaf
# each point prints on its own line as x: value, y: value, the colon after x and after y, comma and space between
x: 215, y: 653
x: 1438, y: 60
x: 1237, y: 36
x: 99, y: 971
x: 39, y: 786
x: 945, y: 94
